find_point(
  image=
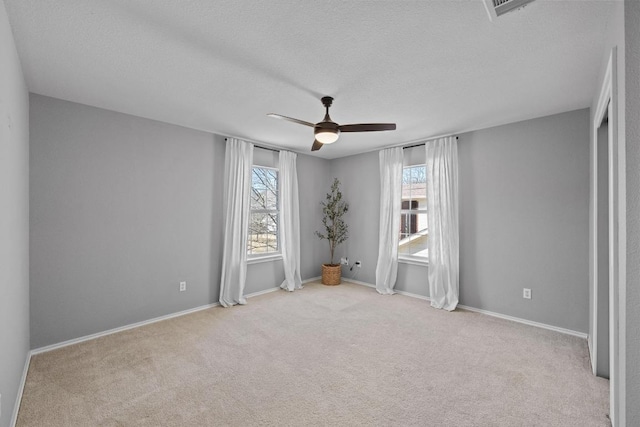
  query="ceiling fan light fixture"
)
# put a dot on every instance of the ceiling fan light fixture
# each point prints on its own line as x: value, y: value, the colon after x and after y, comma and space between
x: 327, y: 136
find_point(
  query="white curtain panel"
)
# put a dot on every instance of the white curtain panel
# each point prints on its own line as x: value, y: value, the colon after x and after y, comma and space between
x: 390, y: 204
x: 237, y: 183
x: 442, y: 220
x: 289, y: 221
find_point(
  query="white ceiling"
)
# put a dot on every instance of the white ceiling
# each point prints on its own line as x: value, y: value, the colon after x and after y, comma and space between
x: 433, y: 67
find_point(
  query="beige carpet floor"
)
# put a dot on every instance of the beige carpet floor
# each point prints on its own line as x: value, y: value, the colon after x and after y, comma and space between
x: 339, y: 355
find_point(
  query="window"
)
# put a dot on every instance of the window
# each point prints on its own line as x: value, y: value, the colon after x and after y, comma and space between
x: 413, y: 219
x: 263, y: 219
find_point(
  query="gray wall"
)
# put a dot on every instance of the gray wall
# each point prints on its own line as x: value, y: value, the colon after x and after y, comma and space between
x: 313, y: 182
x: 524, y: 193
x: 524, y: 198
x: 14, y: 220
x: 359, y: 177
x: 632, y: 125
x: 123, y: 209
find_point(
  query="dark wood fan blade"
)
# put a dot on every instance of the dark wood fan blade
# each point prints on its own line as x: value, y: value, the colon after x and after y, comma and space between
x: 291, y: 119
x: 367, y: 127
x: 316, y: 145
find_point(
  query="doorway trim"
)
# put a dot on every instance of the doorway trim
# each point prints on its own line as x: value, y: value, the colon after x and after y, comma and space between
x: 607, y: 104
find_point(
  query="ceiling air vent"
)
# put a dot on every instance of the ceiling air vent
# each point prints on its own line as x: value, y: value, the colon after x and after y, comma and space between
x: 496, y: 8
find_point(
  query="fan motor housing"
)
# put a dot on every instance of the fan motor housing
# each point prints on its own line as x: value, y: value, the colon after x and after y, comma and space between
x: 323, y: 126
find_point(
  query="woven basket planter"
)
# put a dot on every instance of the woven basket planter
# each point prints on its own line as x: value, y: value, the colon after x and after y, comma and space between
x: 331, y: 274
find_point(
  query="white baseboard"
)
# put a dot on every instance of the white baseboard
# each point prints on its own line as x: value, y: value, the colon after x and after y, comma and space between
x: 147, y: 322
x: 23, y: 380
x: 312, y: 279
x: 590, y: 346
x: 113, y: 331
x: 359, y: 282
x: 266, y: 291
x: 488, y: 313
x: 120, y: 329
x: 526, y: 322
x: 409, y: 294
x: 371, y: 285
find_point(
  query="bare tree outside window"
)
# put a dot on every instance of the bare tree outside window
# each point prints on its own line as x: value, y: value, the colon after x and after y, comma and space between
x: 414, y: 175
x: 263, y: 219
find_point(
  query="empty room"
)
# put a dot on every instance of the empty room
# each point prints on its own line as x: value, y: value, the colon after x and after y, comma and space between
x: 320, y: 213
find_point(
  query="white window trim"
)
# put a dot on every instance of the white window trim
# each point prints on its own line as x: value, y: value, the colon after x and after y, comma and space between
x: 414, y: 260
x: 413, y: 211
x: 269, y: 256
x: 408, y: 258
x: 257, y: 259
x: 255, y: 165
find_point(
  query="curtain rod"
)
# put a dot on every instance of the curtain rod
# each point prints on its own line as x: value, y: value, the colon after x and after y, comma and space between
x: 417, y: 145
x: 260, y: 146
x: 277, y: 151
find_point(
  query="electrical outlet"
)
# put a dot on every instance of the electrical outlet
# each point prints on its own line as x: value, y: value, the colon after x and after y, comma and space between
x: 344, y: 261
x: 526, y: 293
x: 183, y: 286
x: 358, y: 264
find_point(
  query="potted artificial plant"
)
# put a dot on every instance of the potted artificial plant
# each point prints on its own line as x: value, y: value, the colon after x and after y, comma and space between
x: 335, y: 230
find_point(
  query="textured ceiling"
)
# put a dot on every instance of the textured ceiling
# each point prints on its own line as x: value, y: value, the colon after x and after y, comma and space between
x: 433, y: 67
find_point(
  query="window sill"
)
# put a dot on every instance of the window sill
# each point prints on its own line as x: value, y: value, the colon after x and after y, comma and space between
x: 264, y: 258
x: 423, y: 262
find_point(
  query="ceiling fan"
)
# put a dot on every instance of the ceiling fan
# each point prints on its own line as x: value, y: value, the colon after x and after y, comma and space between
x: 328, y: 131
